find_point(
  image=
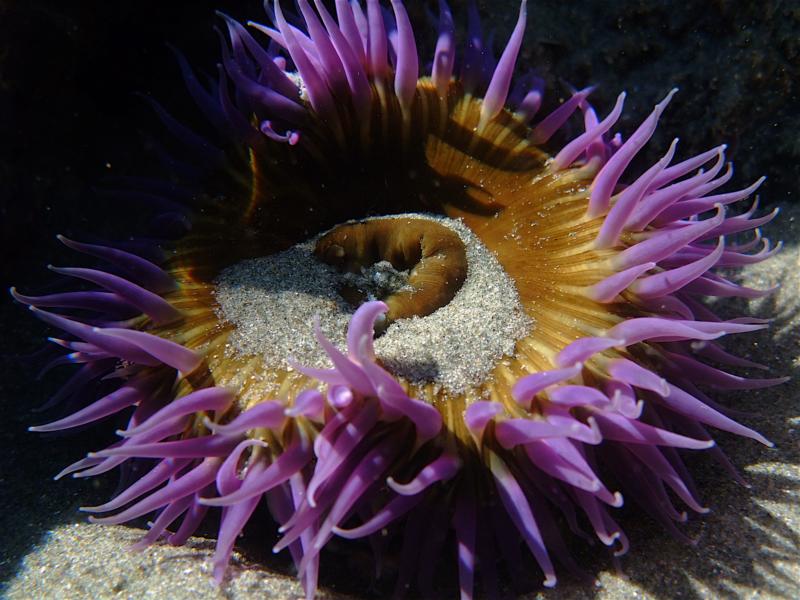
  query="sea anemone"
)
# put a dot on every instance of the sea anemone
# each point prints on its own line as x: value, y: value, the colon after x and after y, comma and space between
x: 386, y: 310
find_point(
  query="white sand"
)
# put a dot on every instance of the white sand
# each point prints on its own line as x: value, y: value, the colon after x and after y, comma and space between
x: 88, y: 561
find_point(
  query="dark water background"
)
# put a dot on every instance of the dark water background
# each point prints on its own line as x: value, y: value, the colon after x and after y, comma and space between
x: 69, y: 118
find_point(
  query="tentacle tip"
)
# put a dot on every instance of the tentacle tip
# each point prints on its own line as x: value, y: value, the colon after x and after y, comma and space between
x: 597, y: 436
x: 399, y: 488
x: 218, y: 574
x: 660, y: 106
x: 317, y: 325
x: 141, y: 545
x: 550, y: 580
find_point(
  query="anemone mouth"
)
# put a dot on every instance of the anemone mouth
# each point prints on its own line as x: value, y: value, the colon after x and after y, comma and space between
x: 346, y: 174
x: 433, y: 273
x: 415, y: 265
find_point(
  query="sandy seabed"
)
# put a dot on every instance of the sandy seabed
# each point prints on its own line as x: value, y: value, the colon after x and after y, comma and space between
x: 747, y: 547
